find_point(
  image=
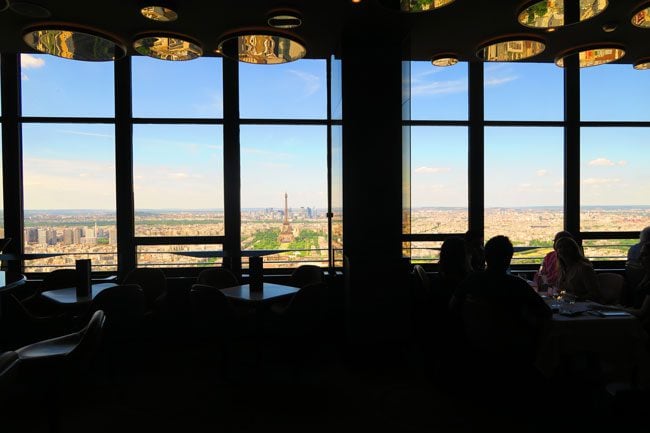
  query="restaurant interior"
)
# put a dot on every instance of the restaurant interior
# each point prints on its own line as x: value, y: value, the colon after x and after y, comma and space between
x: 134, y: 318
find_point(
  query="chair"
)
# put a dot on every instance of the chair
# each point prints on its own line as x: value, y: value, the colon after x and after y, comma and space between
x: 306, y: 274
x: 154, y: 287
x: 302, y: 316
x: 217, y: 277
x: 124, y: 306
x: 53, y: 364
x: 20, y: 326
x: 8, y: 364
x: 611, y: 287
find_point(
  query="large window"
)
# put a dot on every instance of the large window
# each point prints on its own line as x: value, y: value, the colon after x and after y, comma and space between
x: 68, y: 163
x: 523, y: 187
x: 69, y: 193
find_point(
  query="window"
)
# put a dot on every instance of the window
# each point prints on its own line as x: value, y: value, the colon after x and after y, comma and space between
x: 524, y: 187
x: 438, y: 93
x: 69, y: 193
x: 438, y: 179
x: 284, y: 169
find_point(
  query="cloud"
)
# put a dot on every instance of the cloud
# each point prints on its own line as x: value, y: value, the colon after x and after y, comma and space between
x: 541, y: 172
x: 29, y: 61
x: 24, y: 77
x: 595, y: 181
x: 440, y: 87
x: 601, y: 162
x: 429, y: 170
x: 178, y: 175
x: 89, y: 134
x: 493, y: 81
x: 311, y: 82
x: 622, y: 163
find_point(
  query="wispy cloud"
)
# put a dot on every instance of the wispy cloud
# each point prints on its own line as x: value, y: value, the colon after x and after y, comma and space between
x: 593, y: 181
x: 29, y: 61
x: 88, y: 134
x: 542, y: 172
x: 429, y: 170
x: 440, y: 87
x: 601, y: 162
x: 311, y: 82
x: 497, y: 81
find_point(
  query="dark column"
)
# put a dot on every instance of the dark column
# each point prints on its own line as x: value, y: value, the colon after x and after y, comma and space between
x: 231, y: 165
x: 572, y: 145
x: 476, y: 141
x: 126, y: 248
x: 376, y: 284
x: 12, y: 155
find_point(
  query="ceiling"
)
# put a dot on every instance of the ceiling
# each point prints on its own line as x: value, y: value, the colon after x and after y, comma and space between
x: 460, y: 27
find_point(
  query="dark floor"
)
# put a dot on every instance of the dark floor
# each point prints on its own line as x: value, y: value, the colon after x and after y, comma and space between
x: 177, y: 387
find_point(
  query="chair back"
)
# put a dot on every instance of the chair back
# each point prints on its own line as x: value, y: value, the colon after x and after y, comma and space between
x: 152, y: 281
x: 308, y: 307
x: 59, y: 279
x: 124, y: 306
x: 217, y: 277
x: 211, y: 310
x: 611, y: 287
x: 8, y: 364
x: 306, y: 274
x: 422, y: 284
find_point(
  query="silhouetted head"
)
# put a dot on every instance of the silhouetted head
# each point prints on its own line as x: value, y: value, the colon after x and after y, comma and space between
x: 498, y: 253
x: 453, y: 256
x: 568, y: 251
x: 474, y: 238
x: 645, y: 235
x: 560, y: 235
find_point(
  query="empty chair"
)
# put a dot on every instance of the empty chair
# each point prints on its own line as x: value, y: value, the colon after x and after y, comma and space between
x: 218, y: 277
x: 124, y: 306
x: 303, y: 315
x: 154, y: 287
x: 20, y: 326
x: 8, y: 364
x: 611, y: 287
x: 306, y: 274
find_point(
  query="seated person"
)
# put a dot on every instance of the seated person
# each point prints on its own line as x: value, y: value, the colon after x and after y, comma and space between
x: 635, y: 250
x: 547, y: 275
x: 453, y: 267
x: 576, y: 273
x: 475, y: 249
x: 641, y: 307
x: 511, y: 301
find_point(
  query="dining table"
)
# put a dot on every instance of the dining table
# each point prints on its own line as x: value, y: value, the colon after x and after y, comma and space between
x: 68, y: 295
x: 614, y: 336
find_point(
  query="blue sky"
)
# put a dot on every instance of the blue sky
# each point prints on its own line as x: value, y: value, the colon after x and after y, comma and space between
x: 180, y: 166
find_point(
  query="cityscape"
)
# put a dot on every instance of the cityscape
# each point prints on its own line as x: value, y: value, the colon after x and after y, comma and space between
x: 300, y: 234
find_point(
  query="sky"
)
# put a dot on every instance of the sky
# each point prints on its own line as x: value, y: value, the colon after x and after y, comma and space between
x: 181, y: 166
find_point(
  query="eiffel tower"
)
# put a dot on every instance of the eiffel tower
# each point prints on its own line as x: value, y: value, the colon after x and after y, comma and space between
x: 286, y: 234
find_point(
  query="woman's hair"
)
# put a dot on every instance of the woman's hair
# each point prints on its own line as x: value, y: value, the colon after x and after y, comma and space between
x: 568, y: 254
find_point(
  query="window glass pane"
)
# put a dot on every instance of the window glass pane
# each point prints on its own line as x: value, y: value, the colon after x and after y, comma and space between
x: 438, y: 179
x: 178, y: 256
x: 178, y: 89
x: 607, y: 249
x: 337, y: 194
x: 523, y: 187
x: 614, y: 179
x: 614, y: 92
x: 524, y: 91
x: 438, y: 93
x: 52, y: 86
x: 293, y: 90
x: 285, y: 166
x: 178, y: 180
x: 69, y: 188
x: 424, y: 252
x: 2, y: 212
x: 337, y: 91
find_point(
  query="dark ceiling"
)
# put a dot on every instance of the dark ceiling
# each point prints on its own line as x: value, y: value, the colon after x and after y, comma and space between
x: 460, y: 27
